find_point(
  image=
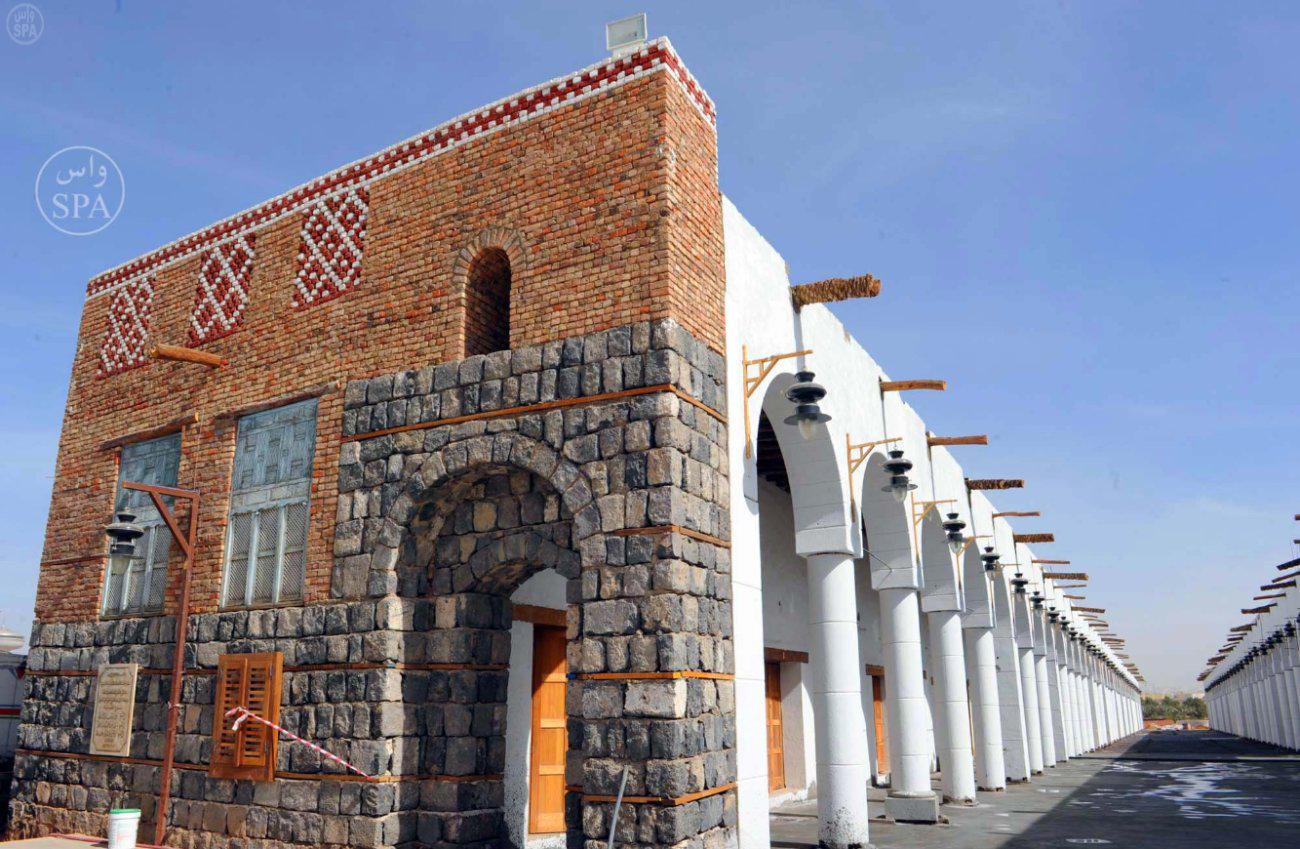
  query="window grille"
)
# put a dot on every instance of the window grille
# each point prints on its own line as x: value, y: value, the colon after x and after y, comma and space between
x: 138, y: 585
x: 266, y: 546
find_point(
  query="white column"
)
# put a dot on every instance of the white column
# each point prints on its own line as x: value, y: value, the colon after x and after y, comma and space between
x: 952, y: 724
x: 1033, y: 717
x: 1045, y: 709
x: 1293, y: 681
x: 1015, y: 737
x: 1060, y: 693
x: 840, y: 727
x: 981, y: 660
x: 910, y: 796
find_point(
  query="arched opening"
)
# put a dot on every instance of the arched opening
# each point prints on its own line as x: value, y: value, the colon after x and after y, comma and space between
x: 489, y: 559
x: 487, y: 302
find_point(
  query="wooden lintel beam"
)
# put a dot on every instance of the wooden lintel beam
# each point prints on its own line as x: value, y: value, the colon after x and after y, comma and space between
x: 834, y: 289
x: 188, y: 355
x: 1066, y: 576
x: 980, y: 439
x: 994, y: 483
x: 1034, y: 537
x: 908, y: 385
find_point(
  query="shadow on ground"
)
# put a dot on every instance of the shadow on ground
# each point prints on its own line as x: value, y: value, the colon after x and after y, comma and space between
x: 1152, y: 791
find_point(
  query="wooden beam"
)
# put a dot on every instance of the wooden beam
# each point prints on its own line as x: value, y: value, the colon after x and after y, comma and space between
x: 1288, y: 564
x: 187, y: 355
x: 1051, y: 562
x: 906, y: 385
x: 1278, y: 585
x: 1262, y: 609
x: 1090, y: 609
x: 1016, y: 513
x: 1075, y: 597
x: 773, y: 655
x: 1034, y: 537
x: 1267, y: 597
x: 1066, y: 576
x: 980, y: 439
x: 1241, y: 628
x: 834, y: 289
x: 995, y: 483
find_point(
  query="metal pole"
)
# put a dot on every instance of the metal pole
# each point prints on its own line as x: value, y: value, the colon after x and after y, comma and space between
x: 613, y: 822
x: 186, y: 542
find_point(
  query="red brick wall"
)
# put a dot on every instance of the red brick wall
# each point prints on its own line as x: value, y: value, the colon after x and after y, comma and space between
x: 617, y: 201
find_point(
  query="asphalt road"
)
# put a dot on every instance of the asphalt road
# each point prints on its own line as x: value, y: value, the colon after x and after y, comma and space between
x: 1156, y: 790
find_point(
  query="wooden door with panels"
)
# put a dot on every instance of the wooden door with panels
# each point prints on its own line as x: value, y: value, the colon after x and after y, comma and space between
x: 775, y: 729
x: 549, y: 739
x: 877, y: 674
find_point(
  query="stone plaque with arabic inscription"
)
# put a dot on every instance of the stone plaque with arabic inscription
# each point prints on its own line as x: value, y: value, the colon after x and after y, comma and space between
x: 110, y: 725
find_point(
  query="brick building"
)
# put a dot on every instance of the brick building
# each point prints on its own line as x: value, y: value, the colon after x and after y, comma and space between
x: 468, y: 489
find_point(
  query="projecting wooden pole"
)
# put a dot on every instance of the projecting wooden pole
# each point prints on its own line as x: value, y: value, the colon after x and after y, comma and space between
x: 1278, y: 585
x: 994, y: 483
x: 834, y: 289
x: 1034, y: 537
x: 958, y: 440
x: 1264, y: 609
x: 1050, y: 562
x: 1090, y: 609
x: 1267, y: 597
x: 1015, y: 513
x: 906, y: 385
x: 1066, y: 576
x: 187, y: 355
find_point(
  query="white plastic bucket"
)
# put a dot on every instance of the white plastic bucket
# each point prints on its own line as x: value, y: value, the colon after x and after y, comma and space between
x: 123, y: 824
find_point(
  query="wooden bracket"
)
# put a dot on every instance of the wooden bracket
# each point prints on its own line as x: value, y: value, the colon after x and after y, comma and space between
x: 971, y: 541
x: 1068, y: 576
x: 925, y: 508
x: 1033, y: 537
x: 834, y: 289
x: 756, y: 371
x: 187, y: 355
x: 980, y: 439
x: 1021, y: 513
x: 857, y: 454
x: 994, y: 483
x: 907, y: 385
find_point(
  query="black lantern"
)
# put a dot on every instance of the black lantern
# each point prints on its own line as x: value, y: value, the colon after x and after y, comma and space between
x: 123, y: 533
x: 990, y: 558
x: 805, y: 394
x: 1037, y: 599
x: 953, y: 526
x: 899, y: 484
x: 1019, y: 582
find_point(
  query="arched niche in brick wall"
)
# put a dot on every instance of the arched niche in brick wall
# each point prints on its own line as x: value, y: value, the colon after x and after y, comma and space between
x: 485, y: 277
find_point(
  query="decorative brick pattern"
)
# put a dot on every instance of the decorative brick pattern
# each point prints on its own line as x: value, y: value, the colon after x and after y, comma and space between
x: 222, y: 290
x: 526, y: 105
x: 128, y: 328
x: 333, y: 238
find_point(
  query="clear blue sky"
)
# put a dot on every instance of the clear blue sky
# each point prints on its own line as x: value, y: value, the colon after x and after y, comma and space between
x: 1084, y: 214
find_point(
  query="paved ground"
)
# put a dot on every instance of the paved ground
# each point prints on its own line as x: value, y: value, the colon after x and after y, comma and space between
x: 1159, y: 790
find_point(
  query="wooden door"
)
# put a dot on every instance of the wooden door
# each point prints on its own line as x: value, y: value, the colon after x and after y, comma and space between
x: 549, y: 736
x: 775, y: 733
x: 878, y: 709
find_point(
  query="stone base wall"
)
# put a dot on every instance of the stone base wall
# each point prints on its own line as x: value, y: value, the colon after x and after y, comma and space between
x: 613, y: 474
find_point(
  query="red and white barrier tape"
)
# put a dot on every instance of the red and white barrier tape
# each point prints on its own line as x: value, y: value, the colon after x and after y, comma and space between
x: 244, y: 713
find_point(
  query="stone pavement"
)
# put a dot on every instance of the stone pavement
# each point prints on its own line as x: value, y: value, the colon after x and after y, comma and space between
x: 1152, y: 791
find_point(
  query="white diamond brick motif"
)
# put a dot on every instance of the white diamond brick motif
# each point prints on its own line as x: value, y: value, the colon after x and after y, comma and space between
x: 128, y: 328
x: 222, y: 291
x: 329, y: 257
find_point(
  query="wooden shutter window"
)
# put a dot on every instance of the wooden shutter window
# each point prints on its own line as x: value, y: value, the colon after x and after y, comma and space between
x: 250, y: 681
